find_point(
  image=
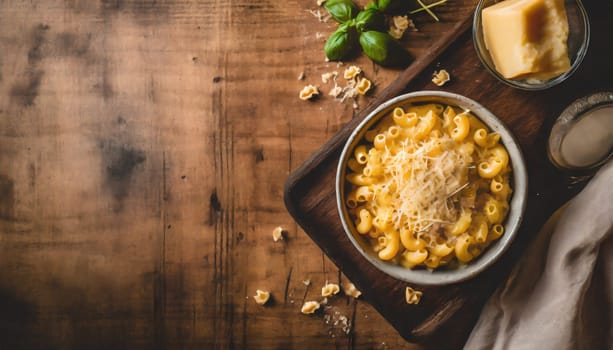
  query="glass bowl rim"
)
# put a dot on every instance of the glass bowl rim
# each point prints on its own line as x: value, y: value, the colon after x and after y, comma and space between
x: 518, y: 84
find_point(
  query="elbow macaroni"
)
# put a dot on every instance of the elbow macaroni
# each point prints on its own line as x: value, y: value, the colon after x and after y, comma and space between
x: 390, y: 174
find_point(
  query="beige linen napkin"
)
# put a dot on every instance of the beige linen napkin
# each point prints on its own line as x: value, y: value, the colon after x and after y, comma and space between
x: 560, y: 295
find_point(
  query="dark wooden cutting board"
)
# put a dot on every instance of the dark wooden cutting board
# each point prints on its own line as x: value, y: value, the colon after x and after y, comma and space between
x: 446, y: 314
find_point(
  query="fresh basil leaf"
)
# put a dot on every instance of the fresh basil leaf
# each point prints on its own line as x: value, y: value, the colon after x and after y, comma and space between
x: 341, y: 10
x: 394, y: 6
x: 341, y: 43
x: 370, y: 19
x: 384, y: 4
x: 372, y: 5
x: 383, y: 49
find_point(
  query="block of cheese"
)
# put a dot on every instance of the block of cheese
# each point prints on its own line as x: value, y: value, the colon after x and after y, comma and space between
x: 527, y: 38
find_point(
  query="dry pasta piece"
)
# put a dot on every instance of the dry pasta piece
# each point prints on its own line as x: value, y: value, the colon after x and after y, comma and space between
x: 309, y: 307
x: 363, y: 86
x: 308, y: 92
x: 330, y: 289
x: 261, y: 297
x: 352, y: 72
x: 412, y: 296
x: 441, y: 77
x: 351, y: 290
x: 399, y: 25
x: 320, y: 2
x: 277, y: 233
x: 401, y: 22
x: 396, y: 33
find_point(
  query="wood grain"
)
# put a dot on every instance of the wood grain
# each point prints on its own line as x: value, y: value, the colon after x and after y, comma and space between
x: 447, y: 314
x: 143, y: 150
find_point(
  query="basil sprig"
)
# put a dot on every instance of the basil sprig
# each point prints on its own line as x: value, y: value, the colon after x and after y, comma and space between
x: 341, y: 10
x: 389, y: 6
x: 370, y: 19
x: 341, y: 42
x: 383, y: 49
x: 366, y: 28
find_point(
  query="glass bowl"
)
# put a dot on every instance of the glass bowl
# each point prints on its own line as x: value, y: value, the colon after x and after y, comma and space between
x: 517, y: 205
x: 578, y: 42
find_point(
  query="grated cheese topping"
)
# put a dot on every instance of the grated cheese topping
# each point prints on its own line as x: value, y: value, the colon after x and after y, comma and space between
x: 421, y: 183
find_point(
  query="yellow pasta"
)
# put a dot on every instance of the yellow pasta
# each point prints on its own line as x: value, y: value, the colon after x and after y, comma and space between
x: 359, y: 179
x: 462, y: 127
x: 355, y: 166
x: 365, y: 223
x: 429, y: 186
x: 360, y: 154
x: 432, y: 261
x: 480, y: 233
x: 490, y: 168
x: 411, y: 258
x: 493, y: 211
x: 363, y: 194
x: 410, y: 242
x: 462, y: 224
x: 441, y: 249
x: 392, y: 246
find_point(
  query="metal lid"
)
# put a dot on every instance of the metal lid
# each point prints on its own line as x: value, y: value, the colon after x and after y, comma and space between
x: 582, y: 137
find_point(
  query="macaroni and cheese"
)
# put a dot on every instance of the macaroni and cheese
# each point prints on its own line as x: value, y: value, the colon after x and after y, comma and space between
x: 429, y: 186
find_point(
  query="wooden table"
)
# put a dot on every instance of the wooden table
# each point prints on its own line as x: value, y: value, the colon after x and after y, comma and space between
x: 143, y: 150
x: 144, y: 146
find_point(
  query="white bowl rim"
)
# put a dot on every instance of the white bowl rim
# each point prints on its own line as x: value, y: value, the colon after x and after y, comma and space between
x: 517, y: 204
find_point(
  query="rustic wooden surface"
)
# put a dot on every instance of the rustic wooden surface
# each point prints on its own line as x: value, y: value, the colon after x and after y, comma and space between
x: 143, y: 150
x: 446, y: 314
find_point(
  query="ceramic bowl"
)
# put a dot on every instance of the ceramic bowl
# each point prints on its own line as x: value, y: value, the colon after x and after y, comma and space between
x: 519, y: 184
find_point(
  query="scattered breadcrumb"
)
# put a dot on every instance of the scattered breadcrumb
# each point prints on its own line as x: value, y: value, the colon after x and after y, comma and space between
x: 306, y: 282
x: 336, y: 91
x: 330, y: 289
x: 261, y: 297
x: 324, y: 301
x: 350, y: 290
x: 345, y: 326
x: 412, y: 296
x: 441, y: 77
x: 328, y: 76
x: 318, y: 35
x: 277, y: 233
x: 320, y: 2
x: 301, y: 76
x: 338, y: 324
x: 356, y: 84
x: 351, y: 72
x: 310, y: 307
x: 308, y: 92
x: 363, y: 86
x: 323, y: 18
x: 349, y: 91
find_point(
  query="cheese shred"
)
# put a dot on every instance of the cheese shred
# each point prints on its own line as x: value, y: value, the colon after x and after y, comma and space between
x: 421, y: 181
